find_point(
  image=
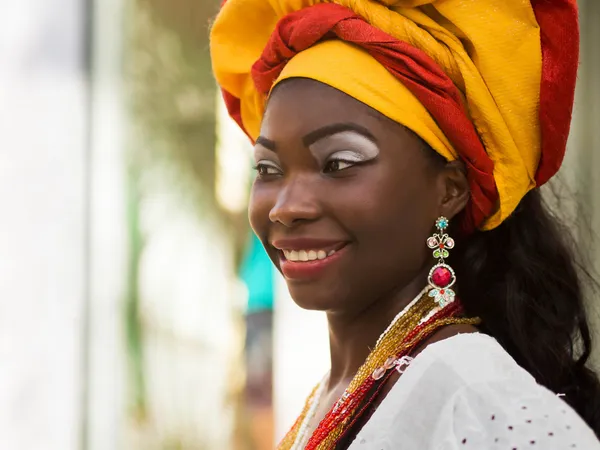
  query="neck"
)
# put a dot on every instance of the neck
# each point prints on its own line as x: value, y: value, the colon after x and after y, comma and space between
x: 353, y: 336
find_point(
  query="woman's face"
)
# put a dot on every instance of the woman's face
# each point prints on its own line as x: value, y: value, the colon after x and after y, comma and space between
x: 344, y: 199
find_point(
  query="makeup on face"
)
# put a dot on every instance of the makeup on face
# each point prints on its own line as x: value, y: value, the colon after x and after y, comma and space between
x: 346, y: 217
x: 342, y: 144
x: 265, y: 159
x: 349, y: 147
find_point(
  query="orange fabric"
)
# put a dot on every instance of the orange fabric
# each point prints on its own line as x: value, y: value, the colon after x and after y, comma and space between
x: 491, y: 50
x: 424, y: 87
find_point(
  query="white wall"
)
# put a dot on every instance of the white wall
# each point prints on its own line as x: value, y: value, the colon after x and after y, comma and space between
x: 301, y: 357
x: 42, y: 223
x: 108, y: 242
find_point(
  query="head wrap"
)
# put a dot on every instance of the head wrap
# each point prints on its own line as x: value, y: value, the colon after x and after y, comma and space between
x: 490, y: 82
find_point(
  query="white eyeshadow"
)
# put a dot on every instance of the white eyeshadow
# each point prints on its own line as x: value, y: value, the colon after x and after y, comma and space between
x: 362, y: 148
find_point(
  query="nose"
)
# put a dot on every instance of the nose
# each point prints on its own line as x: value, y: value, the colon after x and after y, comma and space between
x: 296, y: 203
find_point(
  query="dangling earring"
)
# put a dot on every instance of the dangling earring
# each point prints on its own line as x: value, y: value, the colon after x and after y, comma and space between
x: 441, y: 276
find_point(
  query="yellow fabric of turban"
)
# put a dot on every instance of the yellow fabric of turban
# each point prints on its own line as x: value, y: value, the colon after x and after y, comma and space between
x: 490, y: 49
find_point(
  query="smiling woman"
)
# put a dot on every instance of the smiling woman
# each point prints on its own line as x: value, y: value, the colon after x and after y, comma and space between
x: 350, y: 183
x: 399, y: 152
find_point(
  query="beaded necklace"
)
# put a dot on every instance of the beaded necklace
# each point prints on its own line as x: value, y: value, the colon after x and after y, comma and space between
x: 314, y: 399
x: 311, y: 408
x: 299, y: 430
x: 421, y: 318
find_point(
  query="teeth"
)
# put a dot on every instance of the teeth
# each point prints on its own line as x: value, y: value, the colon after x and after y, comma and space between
x: 306, y: 255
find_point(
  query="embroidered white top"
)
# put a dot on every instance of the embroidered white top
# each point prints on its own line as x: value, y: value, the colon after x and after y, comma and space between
x: 466, y: 392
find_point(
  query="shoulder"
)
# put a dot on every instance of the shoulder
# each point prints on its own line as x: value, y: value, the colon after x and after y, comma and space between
x: 466, y: 392
x: 471, y: 358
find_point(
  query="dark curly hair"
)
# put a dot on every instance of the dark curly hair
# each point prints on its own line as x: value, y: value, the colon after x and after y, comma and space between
x: 524, y: 281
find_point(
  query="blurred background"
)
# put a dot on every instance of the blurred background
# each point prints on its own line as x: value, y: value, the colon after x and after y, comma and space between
x: 137, y: 311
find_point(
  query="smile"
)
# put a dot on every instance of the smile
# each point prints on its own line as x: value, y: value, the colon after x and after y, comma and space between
x: 307, y: 255
x: 308, y: 258
x: 308, y: 264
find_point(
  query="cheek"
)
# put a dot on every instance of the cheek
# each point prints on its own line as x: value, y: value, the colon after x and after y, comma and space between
x: 398, y: 202
x: 259, y: 207
x: 391, y: 216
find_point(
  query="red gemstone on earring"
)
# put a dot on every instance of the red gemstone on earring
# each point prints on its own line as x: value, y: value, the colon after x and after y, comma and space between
x: 442, y: 246
x: 441, y: 277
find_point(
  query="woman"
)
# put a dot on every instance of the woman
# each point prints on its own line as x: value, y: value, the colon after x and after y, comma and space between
x: 399, y: 147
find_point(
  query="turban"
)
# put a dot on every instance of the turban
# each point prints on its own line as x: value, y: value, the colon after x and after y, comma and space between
x: 489, y: 82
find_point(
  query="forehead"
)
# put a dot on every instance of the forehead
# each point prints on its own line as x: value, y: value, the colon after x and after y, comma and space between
x: 298, y: 106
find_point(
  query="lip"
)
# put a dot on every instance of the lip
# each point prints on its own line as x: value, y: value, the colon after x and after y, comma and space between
x: 294, y: 270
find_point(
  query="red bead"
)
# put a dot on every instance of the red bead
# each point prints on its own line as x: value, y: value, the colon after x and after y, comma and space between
x: 441, y: 277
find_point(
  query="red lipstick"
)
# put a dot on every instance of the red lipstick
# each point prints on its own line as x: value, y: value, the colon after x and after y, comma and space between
x: 292, y: 269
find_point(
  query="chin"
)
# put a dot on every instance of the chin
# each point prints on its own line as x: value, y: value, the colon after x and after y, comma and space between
x: 310, y: 297
x: 309, y: 300
x: 311, y: 305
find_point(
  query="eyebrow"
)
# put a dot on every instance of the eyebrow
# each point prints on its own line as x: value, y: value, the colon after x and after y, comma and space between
x: 321, y: 133
x: 266, y: 143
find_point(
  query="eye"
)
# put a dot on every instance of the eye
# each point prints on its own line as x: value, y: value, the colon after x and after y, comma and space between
x: 266, y: 168
x: 336, y: 165
x: 345, y: 159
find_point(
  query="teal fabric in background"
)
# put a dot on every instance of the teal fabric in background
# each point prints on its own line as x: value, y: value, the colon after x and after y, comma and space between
x: 257, y: 272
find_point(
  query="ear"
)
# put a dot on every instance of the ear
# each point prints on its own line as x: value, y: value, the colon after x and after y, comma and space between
x: 453, y: 188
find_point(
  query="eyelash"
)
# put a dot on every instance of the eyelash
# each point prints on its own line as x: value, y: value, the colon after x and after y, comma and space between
x: 340, y: 161
x: 257, y: 168
x: 261, y: 166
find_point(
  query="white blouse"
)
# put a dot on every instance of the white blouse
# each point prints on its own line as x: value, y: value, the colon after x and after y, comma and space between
x: 466, y: 392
